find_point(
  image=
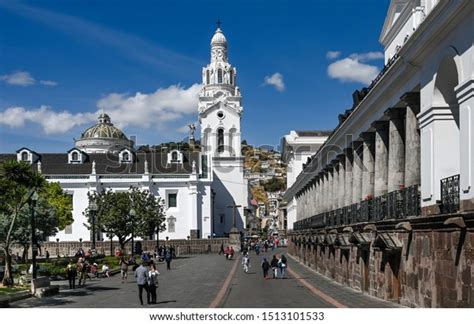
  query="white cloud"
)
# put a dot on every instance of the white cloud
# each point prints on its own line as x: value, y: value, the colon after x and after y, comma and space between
x: 367, y: 56
x: 333, y: 55
x: 48, y: 83
x: 145, y: 110
x: 353, y: 68
x: 52, y: 122
x: 276, y: 80
x: 140, y: 110
x: 20, y: 78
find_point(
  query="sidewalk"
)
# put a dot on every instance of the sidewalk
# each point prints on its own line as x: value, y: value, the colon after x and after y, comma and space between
x: 346, y: 296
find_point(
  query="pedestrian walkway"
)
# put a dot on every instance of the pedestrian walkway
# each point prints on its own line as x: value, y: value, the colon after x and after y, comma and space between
x: 193, y: 281
x: 345, y: 296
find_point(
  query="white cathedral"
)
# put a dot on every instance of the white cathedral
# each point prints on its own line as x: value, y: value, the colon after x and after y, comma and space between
x: 200, y: 188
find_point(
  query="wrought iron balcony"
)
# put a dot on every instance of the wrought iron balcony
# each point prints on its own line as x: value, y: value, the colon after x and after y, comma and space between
x: 450, y: 194
x: 394, y: 205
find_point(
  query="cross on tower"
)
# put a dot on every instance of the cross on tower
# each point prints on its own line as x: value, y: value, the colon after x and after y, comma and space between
x: 218, y: 23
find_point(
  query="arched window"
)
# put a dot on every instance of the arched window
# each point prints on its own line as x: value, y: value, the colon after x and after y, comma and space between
x: 219, y: 76
x: 174, y: 156
x: 207, y: 77
x: 75, y: 156
x: 231, y: 76
x: 126, y: 156
x: 24, y: 156
x: 220, y: 140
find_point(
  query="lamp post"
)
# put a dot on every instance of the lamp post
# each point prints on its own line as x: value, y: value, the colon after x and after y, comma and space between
x: 34, y: 247
x: 93, y: 210
x: 213, y: 193
x: 132, y: 214
x: 57, y: 248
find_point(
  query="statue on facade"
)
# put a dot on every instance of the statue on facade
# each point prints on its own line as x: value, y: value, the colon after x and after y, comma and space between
x: 192, y: 129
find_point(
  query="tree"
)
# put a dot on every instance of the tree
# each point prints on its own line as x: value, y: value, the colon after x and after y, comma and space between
x: 112, y: 215
x: 61, y: 202
x: 150, y: 215
x: 46, y: 227
x: 16, y: 182
x: 114, y: 218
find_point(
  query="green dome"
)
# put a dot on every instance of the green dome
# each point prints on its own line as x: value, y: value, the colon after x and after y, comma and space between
x: 103, y: 129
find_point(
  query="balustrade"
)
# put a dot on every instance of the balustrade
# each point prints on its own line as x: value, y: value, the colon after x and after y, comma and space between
x: 450, y: 194
x: 397, y: 204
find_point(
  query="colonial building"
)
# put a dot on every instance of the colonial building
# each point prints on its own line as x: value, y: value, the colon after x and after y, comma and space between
x: 297, y: 147
x: 198, y: 188
x: 390, y: 194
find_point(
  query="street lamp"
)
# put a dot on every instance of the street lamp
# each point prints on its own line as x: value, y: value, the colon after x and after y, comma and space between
x: 93, y: 209
x: 34, y: 247
x: 213, y: 193
x: 132, y: 214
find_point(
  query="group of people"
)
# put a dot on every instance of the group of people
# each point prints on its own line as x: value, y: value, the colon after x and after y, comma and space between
x: 147, y: 279
x: 228, y: 252
x: 276, y: 265
x: 82, y: 269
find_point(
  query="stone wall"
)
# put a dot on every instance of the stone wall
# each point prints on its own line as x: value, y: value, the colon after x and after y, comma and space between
x: 434, y: 266
x: 182, y: 247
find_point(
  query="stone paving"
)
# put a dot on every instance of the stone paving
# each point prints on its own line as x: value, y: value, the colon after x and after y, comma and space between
x: 195, y: 281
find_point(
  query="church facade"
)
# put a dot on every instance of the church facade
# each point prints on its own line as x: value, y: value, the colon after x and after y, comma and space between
x: 200, y: 189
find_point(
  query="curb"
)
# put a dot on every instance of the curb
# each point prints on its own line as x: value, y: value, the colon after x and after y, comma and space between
x: 6, y: 300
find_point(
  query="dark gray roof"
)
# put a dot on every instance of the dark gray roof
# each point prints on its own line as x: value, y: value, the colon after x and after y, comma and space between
x: 314, y: 133
x: 57, y: 163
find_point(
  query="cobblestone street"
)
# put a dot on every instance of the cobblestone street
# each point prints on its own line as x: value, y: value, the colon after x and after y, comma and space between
x: 211, y: 281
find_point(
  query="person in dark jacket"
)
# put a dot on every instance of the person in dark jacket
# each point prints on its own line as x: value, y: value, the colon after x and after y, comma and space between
x: 168, y: 258
x: 265, y: 267
x: 282, y: 264
x: 274, y: 265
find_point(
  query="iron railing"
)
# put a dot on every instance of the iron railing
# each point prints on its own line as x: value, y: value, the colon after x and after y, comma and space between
x: 450, y: 194
x: 397, y: 204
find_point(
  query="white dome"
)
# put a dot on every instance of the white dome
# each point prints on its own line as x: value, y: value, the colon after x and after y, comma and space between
x: 219, y: 38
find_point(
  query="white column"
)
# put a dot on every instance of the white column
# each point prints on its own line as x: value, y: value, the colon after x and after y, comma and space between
x: 357, y: 173
x: 348, y: 176
x: 396, y: 150
x: 342, y: 181
x: 465, y: 96
x: 381, y: 158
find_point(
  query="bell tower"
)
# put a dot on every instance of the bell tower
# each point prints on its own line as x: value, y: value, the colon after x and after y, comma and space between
x: 220, y: 109
x: 220, y: 114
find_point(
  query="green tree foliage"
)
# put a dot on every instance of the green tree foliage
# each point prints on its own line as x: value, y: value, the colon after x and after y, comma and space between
x: 17, y: 184
x: 61, y: 202
x: 114, y: 217
x: 274, y: 185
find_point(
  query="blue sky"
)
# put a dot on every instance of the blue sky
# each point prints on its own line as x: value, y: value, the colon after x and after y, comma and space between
x: 298, y: 63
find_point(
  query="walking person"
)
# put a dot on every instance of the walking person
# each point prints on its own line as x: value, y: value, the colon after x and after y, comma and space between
x: 246, y: 262
x: 82, y: 267
x: 282, y: 264
x: 168, y: 258
x: 141, y: 274
x: 152, y: 283
x: 265, y: 268
x: 221, y: 250
x: 274, y: 265
x: 71, y: 274
x: 123, y: 269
